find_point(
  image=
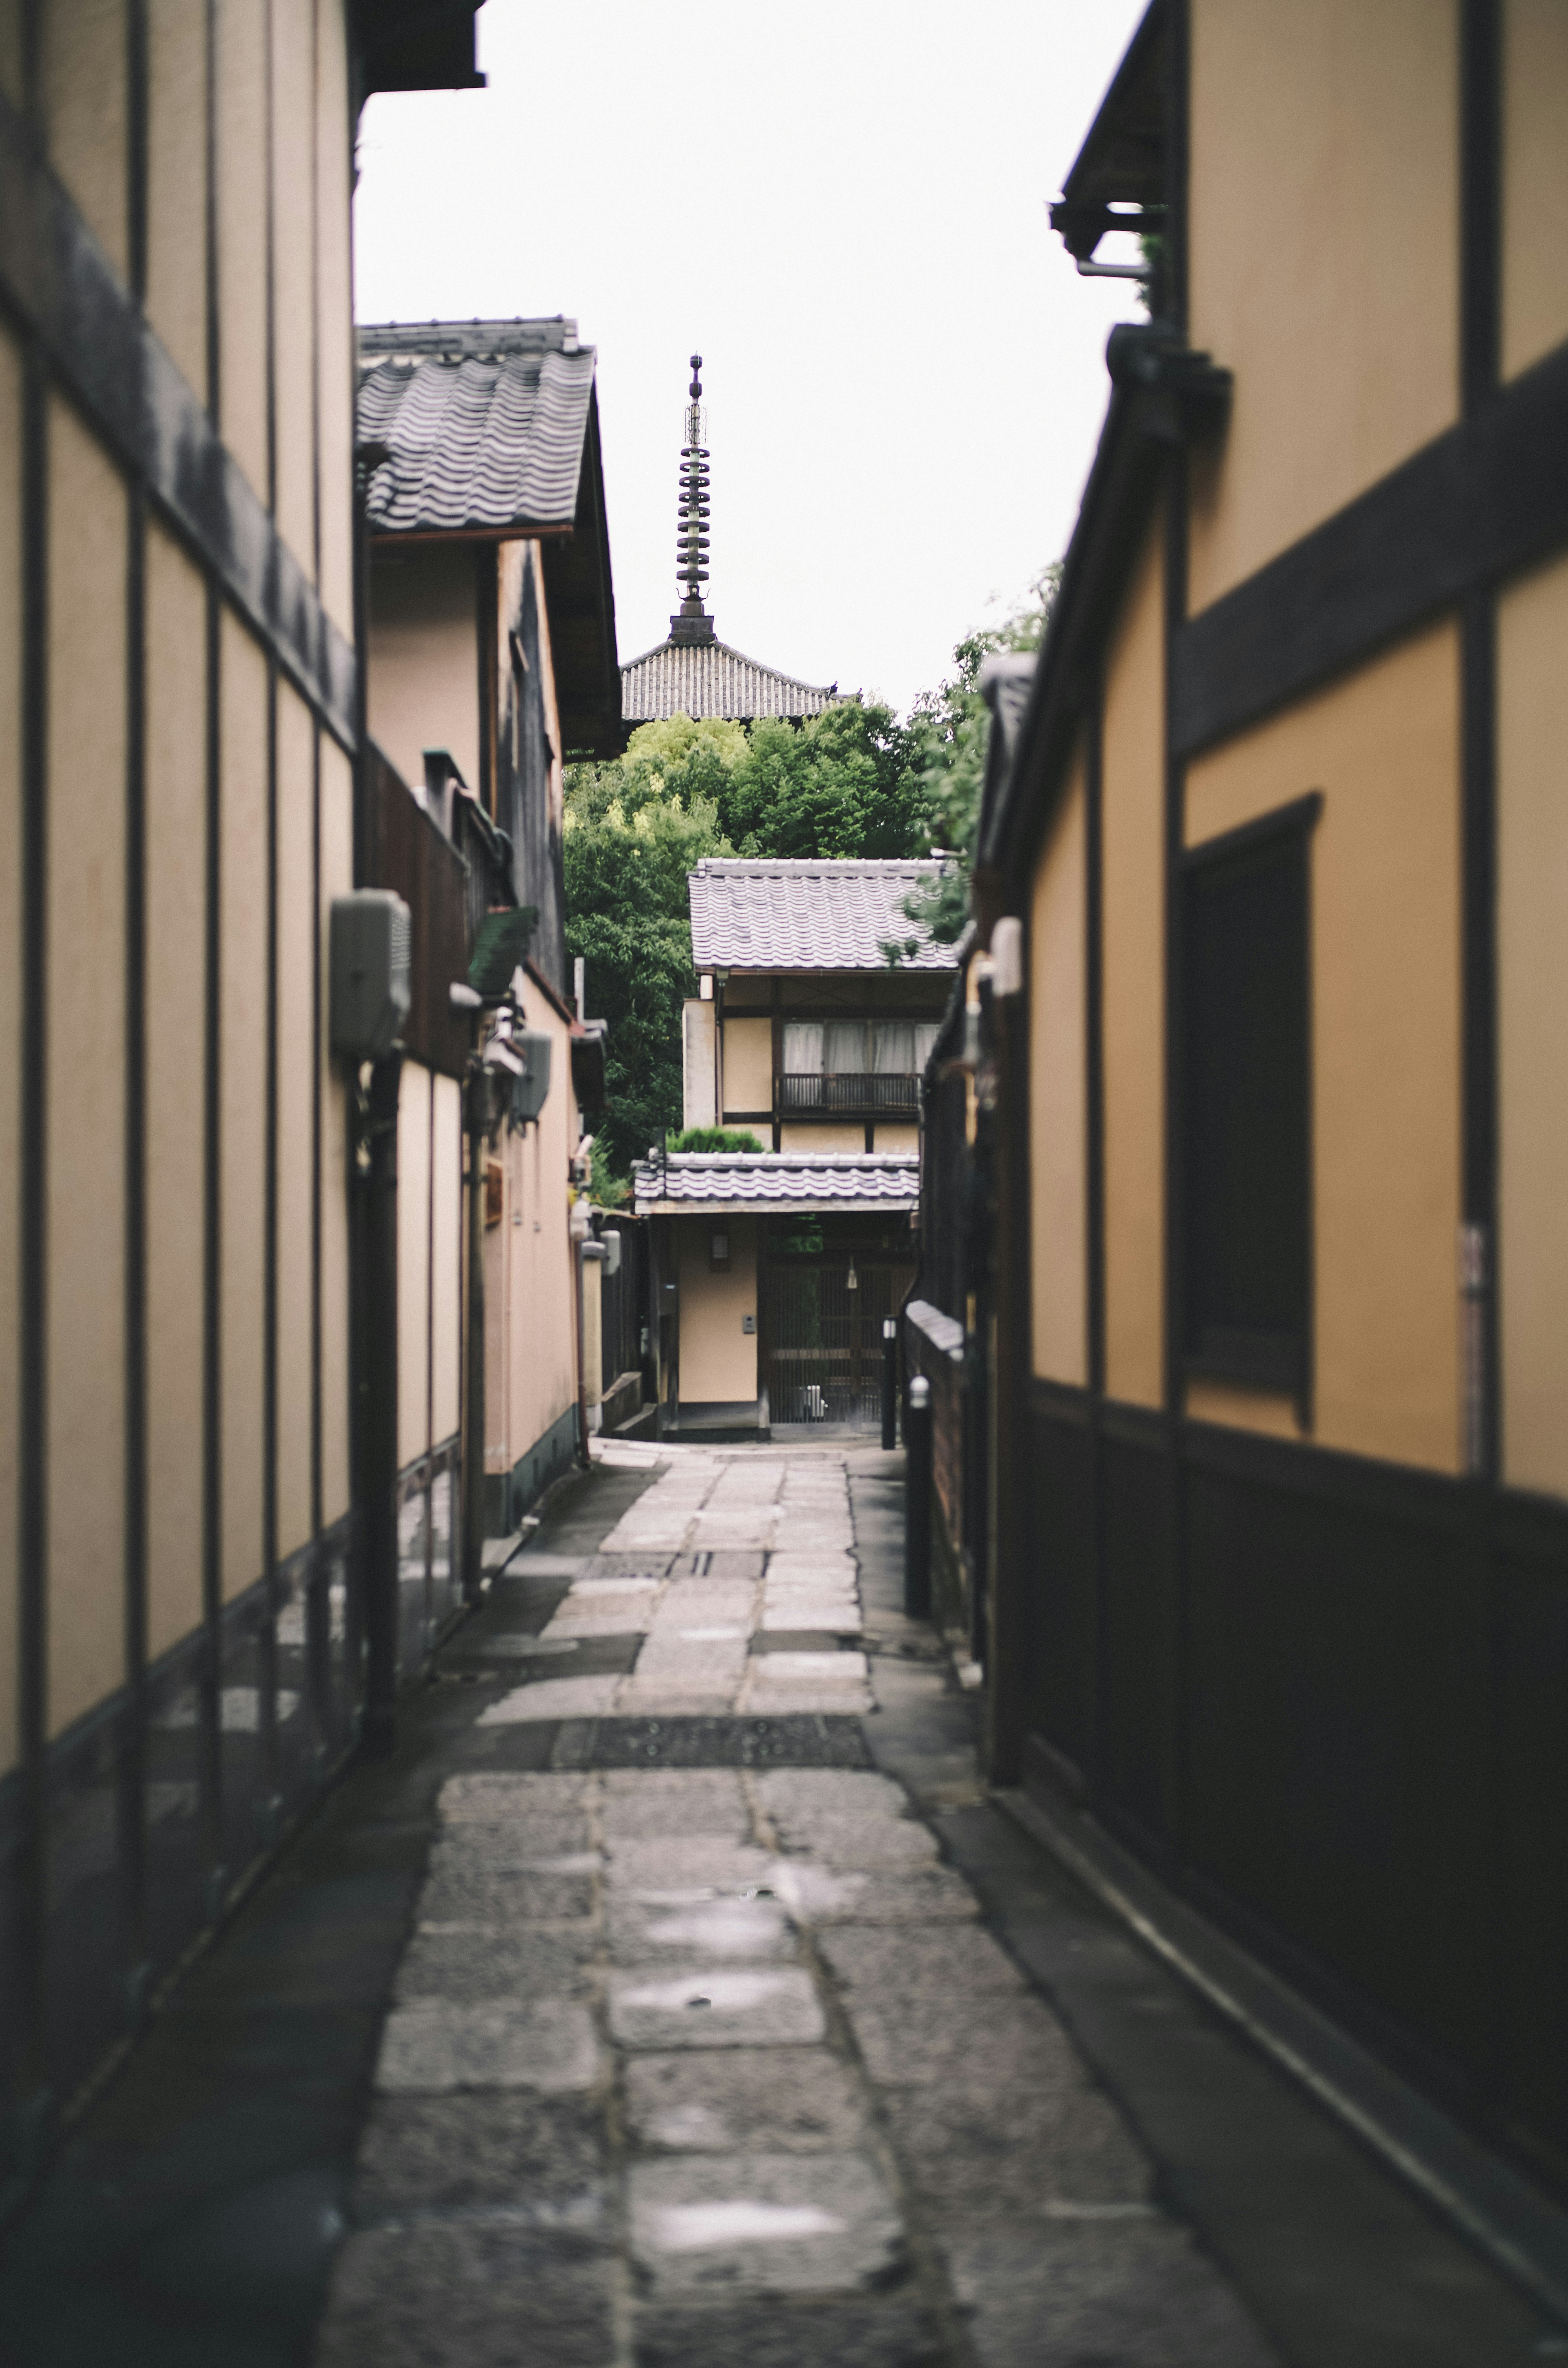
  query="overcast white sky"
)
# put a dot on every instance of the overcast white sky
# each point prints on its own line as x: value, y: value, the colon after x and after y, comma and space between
x: 841, y: 205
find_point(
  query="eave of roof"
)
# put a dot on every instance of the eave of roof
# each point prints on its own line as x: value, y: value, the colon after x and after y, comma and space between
x: 1122, y: 158
x: 1163, y: 396
x: 779, y: 1183
x: 487, y: 444
x: 416, y: 45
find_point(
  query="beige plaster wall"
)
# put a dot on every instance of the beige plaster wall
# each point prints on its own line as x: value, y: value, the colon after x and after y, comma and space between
x: 1132, y: 882
x: 240, y: 77
x: 82, y: 58
x: 1382, y: 746
x: 1535, y: 180
x: 1058, y: 1105
x: 822, y: 1137
x: 241, y: 1117
x: 1532, y: 915
x: 414, y: 1164
x: 10, y: 1010
x: 1324, y: 265
x: 295, y: 1025
x: 424, y: 657
x: 748, y: 1073
x: 334, y: 317
x: 293, y: 275
x: 85, y: 1027
x: 718, y: 1359
x: 175, y: 877
x: 177, y: 182
x: 896, y: 1136
x: 530, y: 1289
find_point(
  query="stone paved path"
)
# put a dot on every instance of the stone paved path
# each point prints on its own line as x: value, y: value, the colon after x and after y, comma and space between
x: 697, y: 2066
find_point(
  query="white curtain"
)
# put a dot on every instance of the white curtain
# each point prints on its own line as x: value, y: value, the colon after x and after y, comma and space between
x: 892, y: 1048
x: 802, y: 1048
x: 846, y: 1048
x: 925, y: 1034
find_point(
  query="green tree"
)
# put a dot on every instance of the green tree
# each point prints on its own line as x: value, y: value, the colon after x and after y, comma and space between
x: 844, y: 783
x: 951, y: 728
x: 625, y: 861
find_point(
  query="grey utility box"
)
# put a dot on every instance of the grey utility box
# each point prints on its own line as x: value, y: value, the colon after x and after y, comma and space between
x: 532, y: 1090
x: 369, y: 967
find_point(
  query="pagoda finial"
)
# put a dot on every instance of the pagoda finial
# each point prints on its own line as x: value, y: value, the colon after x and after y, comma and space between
x: 693, y: 623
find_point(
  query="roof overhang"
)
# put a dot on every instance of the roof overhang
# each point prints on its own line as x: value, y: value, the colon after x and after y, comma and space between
x: 580, y: 600
x: 1122, y: 160
x: 900, y: 1208
x: 416, y: 45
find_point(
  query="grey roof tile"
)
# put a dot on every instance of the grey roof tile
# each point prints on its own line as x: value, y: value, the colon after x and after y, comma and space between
x: 479, y: 439
x: 889, y: 1181
x: 830, y: 916
x: 708, y: 678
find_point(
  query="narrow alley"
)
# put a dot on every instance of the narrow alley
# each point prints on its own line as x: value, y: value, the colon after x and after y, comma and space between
x: 676, y: 1996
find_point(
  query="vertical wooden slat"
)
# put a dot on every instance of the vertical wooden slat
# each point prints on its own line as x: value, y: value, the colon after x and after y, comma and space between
x: 33, y: 1501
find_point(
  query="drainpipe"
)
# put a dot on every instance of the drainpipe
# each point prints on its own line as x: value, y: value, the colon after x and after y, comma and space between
x: 376, y: 1193
x: 478, y: 1118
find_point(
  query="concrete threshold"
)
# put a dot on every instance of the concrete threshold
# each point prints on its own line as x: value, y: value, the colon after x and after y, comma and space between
x: 1520, y: 2230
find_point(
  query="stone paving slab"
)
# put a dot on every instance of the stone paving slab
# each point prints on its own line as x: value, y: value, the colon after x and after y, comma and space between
x: 553, y: 1698
x: 757, y: 2100
x: 547, y: 2156
x: 433, y: 2044
x: 638, y: 1931
x: 775, y: 2222
x: 716, y: 2005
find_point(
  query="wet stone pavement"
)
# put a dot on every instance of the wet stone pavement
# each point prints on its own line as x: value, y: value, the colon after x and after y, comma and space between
x: 674, y: 1996
x: 691, y: 2063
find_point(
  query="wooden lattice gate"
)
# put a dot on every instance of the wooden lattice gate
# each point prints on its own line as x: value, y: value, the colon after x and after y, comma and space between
x: 825, y: 1339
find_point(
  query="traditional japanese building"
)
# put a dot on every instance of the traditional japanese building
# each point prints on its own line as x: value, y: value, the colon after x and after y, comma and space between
x: 693, y: 673
x: 775, y: 1268
x: 1269, y: 1104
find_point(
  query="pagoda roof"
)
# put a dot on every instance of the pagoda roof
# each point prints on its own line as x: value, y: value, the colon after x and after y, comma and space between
x: 707, y: 678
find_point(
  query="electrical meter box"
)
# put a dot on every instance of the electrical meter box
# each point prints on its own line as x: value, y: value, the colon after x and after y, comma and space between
x: 369, y: 965
x: 532, y: 1090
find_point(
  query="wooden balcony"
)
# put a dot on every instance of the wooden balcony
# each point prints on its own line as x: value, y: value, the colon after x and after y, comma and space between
x: 859, y: 1094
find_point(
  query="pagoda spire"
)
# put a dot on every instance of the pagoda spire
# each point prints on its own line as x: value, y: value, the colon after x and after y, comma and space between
x: 693, y: 623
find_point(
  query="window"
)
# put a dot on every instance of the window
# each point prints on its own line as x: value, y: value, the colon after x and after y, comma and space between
x: 1246, y: 1103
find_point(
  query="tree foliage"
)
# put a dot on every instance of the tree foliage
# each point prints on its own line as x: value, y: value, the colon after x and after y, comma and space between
x: 842, y: 784
x: 951, y: 728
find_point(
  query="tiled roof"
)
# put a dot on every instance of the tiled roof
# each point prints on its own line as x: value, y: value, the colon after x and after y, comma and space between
x: 485, y: 423
x: 772, y: 916
x: 708, y: 678
x: 782, y: 1180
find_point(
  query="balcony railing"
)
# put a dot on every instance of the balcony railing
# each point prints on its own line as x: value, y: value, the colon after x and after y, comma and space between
x: 859, y: 1092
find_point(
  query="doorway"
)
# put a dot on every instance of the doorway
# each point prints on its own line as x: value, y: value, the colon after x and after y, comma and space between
x: 825, y: 1339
